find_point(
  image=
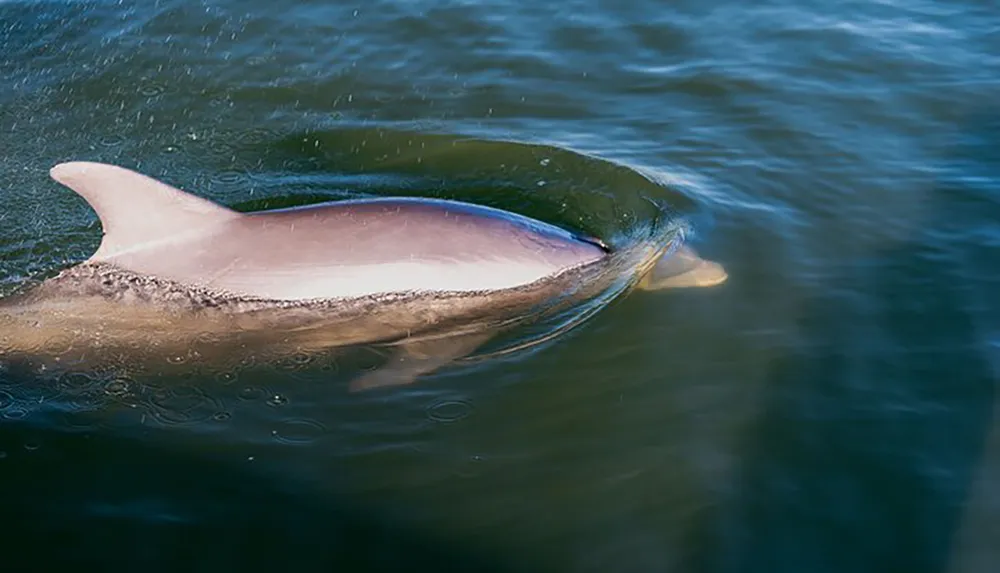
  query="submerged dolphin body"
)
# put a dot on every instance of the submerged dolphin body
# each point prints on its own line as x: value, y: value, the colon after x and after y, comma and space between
x: 436, y: 279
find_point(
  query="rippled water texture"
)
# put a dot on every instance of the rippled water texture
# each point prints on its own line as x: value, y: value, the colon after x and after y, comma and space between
x: 831, y: 407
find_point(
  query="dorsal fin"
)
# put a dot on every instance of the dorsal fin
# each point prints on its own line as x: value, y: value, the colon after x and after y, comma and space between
x: 135, y: 209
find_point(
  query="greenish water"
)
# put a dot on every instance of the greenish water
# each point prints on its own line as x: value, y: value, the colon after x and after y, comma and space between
x: 832, y: 407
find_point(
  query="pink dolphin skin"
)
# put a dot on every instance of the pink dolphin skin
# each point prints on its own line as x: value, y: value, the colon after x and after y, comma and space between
x: 327, y: 251
x: 426, y: 262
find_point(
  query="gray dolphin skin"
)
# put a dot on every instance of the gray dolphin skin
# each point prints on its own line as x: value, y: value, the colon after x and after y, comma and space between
x: 433, y: 279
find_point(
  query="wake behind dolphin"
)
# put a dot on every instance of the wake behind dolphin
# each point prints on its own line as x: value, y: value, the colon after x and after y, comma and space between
x: 433, y: 278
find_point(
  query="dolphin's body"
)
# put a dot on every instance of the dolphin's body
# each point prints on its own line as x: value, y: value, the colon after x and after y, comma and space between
x: 435, y: 278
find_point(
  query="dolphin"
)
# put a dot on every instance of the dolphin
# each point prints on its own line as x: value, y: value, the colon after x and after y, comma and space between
x: 433, y: 279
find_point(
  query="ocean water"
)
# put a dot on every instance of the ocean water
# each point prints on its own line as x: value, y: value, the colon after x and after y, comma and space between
x: 831, y: 408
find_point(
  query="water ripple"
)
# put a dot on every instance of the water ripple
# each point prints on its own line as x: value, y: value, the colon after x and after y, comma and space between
x: 183, y: 406
x: 449, y: 411
x: 298, y: 432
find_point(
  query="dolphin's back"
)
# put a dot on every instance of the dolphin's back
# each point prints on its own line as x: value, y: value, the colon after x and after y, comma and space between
x: 327, y: 251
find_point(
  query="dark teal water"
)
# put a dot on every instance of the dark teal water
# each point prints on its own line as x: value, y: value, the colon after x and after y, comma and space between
x: 831, y: 408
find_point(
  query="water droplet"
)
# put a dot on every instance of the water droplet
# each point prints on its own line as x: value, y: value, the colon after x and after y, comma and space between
x: 226, y: 377
x: 222, y: 416
x: 449, y: 411
x: 152, y: 90
x: 118, y: 388
x: 545, y: 162
x: 277, y: 400
x: 32, y: 446
x: 301, y: 358
x: 472, y: 467
x: 177, y: 359
x: 541, y: 184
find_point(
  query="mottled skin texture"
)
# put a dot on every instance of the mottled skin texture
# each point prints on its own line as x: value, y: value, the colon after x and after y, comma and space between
x: 93, y: 315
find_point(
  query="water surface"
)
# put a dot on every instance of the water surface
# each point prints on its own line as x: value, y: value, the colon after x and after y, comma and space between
x: 830, y: 408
